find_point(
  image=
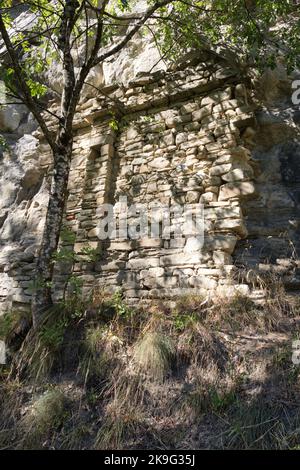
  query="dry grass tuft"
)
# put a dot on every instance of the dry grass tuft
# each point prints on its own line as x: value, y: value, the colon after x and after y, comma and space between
x: 201, y: 346
x: 45, y: 415
x: 101, y: 350
x: 41, y: 347
x: 153, y: 354
x: 118, y: 426
x: 261, y: 426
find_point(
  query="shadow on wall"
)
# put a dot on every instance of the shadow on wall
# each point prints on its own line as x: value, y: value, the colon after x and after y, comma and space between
x: 273, y: 219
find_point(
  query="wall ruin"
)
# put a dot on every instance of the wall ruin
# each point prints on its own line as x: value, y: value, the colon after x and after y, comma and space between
x: 179, y: 141
x: 175, y: 137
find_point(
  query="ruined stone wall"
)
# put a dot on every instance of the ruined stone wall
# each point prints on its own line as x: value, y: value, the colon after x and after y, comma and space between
x: 179, y: 141
x: 183, y: 136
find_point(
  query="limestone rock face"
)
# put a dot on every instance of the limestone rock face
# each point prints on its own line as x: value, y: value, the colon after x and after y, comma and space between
x: 140, y: 56
x: 26, y: 148
x: 10, y: 117
x: 94, y: 80
x: 23, y: 202
x: 273, y: 217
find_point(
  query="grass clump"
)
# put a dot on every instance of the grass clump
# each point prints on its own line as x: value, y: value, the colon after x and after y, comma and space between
x: 118, y: 427
x: 200, y: 346
x: 76, y: 437
x: 210, y: 398
x: 41, y: 347
x: 44, y: 416
x: 153, y: 354
x: 101, y: 348
x: 261, y: 426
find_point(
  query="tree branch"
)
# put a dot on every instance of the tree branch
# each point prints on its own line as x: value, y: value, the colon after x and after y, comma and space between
x: 132, y: 32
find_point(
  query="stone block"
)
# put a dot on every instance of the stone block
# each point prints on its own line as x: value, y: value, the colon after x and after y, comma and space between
x: 234, y: 225
x: 142, y: 263
x: 179, y: 259
x: 203, y: 282
x: 159, y: 162
x: 109, y: 266
x: 208, y: 197
x: 238, y: 174
x: 236, y: 190
x: 193, y: 244
x: 218, y: 170
x: 218, y: 242
x: 160, y: 282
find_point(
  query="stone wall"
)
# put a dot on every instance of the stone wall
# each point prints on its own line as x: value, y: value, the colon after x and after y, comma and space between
x: 179, y: 141
x: 184, y: 136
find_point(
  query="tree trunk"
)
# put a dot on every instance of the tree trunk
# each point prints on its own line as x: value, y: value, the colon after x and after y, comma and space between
x: 42, y: 298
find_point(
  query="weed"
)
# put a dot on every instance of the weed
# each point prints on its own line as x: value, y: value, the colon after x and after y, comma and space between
x: 120, y: 423
x: 100, y: 352
x: 45, y: 414
x: 120, y: 306
x: 153, y: 353
x: 183, y: 321
x: 257, y: 425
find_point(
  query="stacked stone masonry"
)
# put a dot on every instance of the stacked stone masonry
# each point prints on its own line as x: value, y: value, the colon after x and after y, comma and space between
x: 176, y: 137
x: 179, y: 141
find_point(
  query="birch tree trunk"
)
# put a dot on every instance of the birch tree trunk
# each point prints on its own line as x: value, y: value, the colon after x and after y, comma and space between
x: 42, y: 298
